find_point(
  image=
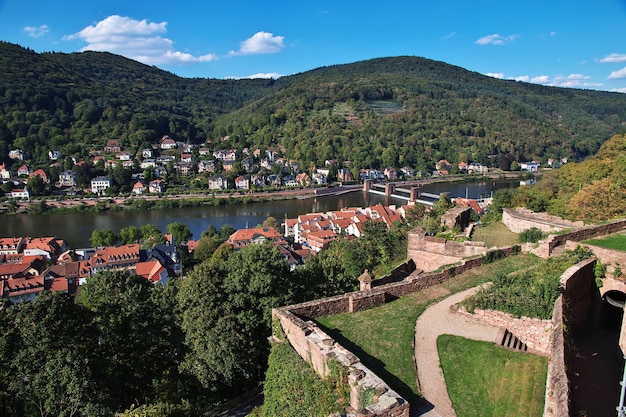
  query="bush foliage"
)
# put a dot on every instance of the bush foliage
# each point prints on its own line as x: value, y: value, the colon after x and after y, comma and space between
x: 529, y: 293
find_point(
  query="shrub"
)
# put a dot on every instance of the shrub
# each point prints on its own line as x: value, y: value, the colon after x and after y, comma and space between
x: 532, y: 235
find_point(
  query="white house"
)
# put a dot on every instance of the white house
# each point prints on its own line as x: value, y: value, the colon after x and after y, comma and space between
x: 100, y: 184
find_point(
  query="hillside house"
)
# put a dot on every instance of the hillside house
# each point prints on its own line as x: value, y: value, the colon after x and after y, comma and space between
x: 218, y: 182
x: 112, y: 146
x: 68, y: 178
x: 17, y: 154
x: 147, y: 153
x: 54, y: 155
x: 206, y: 166
x: 156, y: 186
x: 167, y: 143
x: 41, y: 174
x: 391, y: 173
x: 139, y: 188
x: 4, y: 172
x: 100, y: 184
x: 20, y: 193
x: 24, y: 170
x: 242, y: 183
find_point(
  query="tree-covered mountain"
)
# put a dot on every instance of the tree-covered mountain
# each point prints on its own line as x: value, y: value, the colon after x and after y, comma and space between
x: 382, y: 112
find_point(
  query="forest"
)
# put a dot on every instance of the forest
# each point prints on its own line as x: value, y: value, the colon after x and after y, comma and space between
x: 397, y: 111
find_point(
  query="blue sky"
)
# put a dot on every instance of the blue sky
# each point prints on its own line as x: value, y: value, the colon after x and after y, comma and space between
x: 574, y: 43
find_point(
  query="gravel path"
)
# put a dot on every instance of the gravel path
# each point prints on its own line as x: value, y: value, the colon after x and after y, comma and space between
x: 435, y: 321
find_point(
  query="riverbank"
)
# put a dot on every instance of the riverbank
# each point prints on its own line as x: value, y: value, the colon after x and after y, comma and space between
x: 64, y: 205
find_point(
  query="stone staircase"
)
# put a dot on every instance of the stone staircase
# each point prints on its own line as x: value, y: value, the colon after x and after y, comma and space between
x: 508, y: 340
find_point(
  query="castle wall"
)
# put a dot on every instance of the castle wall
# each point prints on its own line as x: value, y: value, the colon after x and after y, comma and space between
x: 520, y: 219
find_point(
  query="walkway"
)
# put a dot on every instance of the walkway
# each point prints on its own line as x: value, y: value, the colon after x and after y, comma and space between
x: 438, y: 319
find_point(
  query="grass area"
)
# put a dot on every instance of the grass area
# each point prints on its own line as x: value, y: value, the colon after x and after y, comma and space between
x: 486, y: 380
x: 494, y: 234
x: 617, y: 242
x: 382, y: 337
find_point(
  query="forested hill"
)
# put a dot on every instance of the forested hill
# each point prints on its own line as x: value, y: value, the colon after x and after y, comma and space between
x: 384, y: 112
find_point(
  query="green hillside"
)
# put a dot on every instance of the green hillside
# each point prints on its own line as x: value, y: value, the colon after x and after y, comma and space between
x: 389, y: 111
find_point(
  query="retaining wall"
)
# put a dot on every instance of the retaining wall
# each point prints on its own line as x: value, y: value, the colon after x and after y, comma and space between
x: 519, y: 219
x: 586, y: 233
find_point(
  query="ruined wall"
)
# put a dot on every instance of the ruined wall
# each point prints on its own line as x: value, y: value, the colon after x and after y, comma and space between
x: 456, y: 217
x: 557, y: 382
x: 315, y: 346
x: 430, y: 253
x: 520, y: 219
x: 533, y: 332
x: 607, y: 257
x: 586, y: 233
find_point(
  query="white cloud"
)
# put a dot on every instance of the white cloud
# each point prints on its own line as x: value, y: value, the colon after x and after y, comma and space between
x: 613, y: 58
x: 541, y: 79
x: 260, y: 43
x: 524, y: 78
x: 273, y: 75
x: 619, y: 90
x: 449, y: 35
x: 568, y: 81
x: 496, y: 39
x: 136, y: 39
x: 499, y: 75
x: 36, y: 31
x: 619, y: 74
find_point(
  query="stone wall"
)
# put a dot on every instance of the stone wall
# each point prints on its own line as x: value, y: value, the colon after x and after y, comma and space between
x: 430, y: 253
x: 520, y: 219
x: 315, y: 346
x: 456, y: 217
x: 607, y: 257
x: 557, y: 382
x: 586, y: 233
x: 533, y: 332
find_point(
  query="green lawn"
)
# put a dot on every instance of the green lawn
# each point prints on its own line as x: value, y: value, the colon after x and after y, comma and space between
x: 494, y: 234
x: 382, y: 337
x: 485, y: 380
x: 617, y: 241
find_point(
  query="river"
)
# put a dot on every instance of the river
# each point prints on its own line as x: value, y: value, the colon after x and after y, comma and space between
x: 76, y: 228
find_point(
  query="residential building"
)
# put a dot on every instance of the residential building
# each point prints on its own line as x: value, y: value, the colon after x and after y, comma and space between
x: 20, y: 193
x: 54, y: 155
x: 4, y: 172
x: 24, y: 170
x: 167, y: 143
x: 68, y: 178
x: 206, y: 166
x: 100, y: 184
x: 112, y: 146
x: 244, y: 237
x: 41, y: 174
x: 139, y: 188
x: 11, y: 245
x: 532, y: 166
x: 242, y: 183
x: 156, y: 186
x: 48, y: 247
x: 147, y: 153
x: 17, y: 154
x: 391, y: 173
x: 218, y: 182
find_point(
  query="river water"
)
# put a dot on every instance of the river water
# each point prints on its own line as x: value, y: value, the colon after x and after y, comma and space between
x: 76, y: 228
